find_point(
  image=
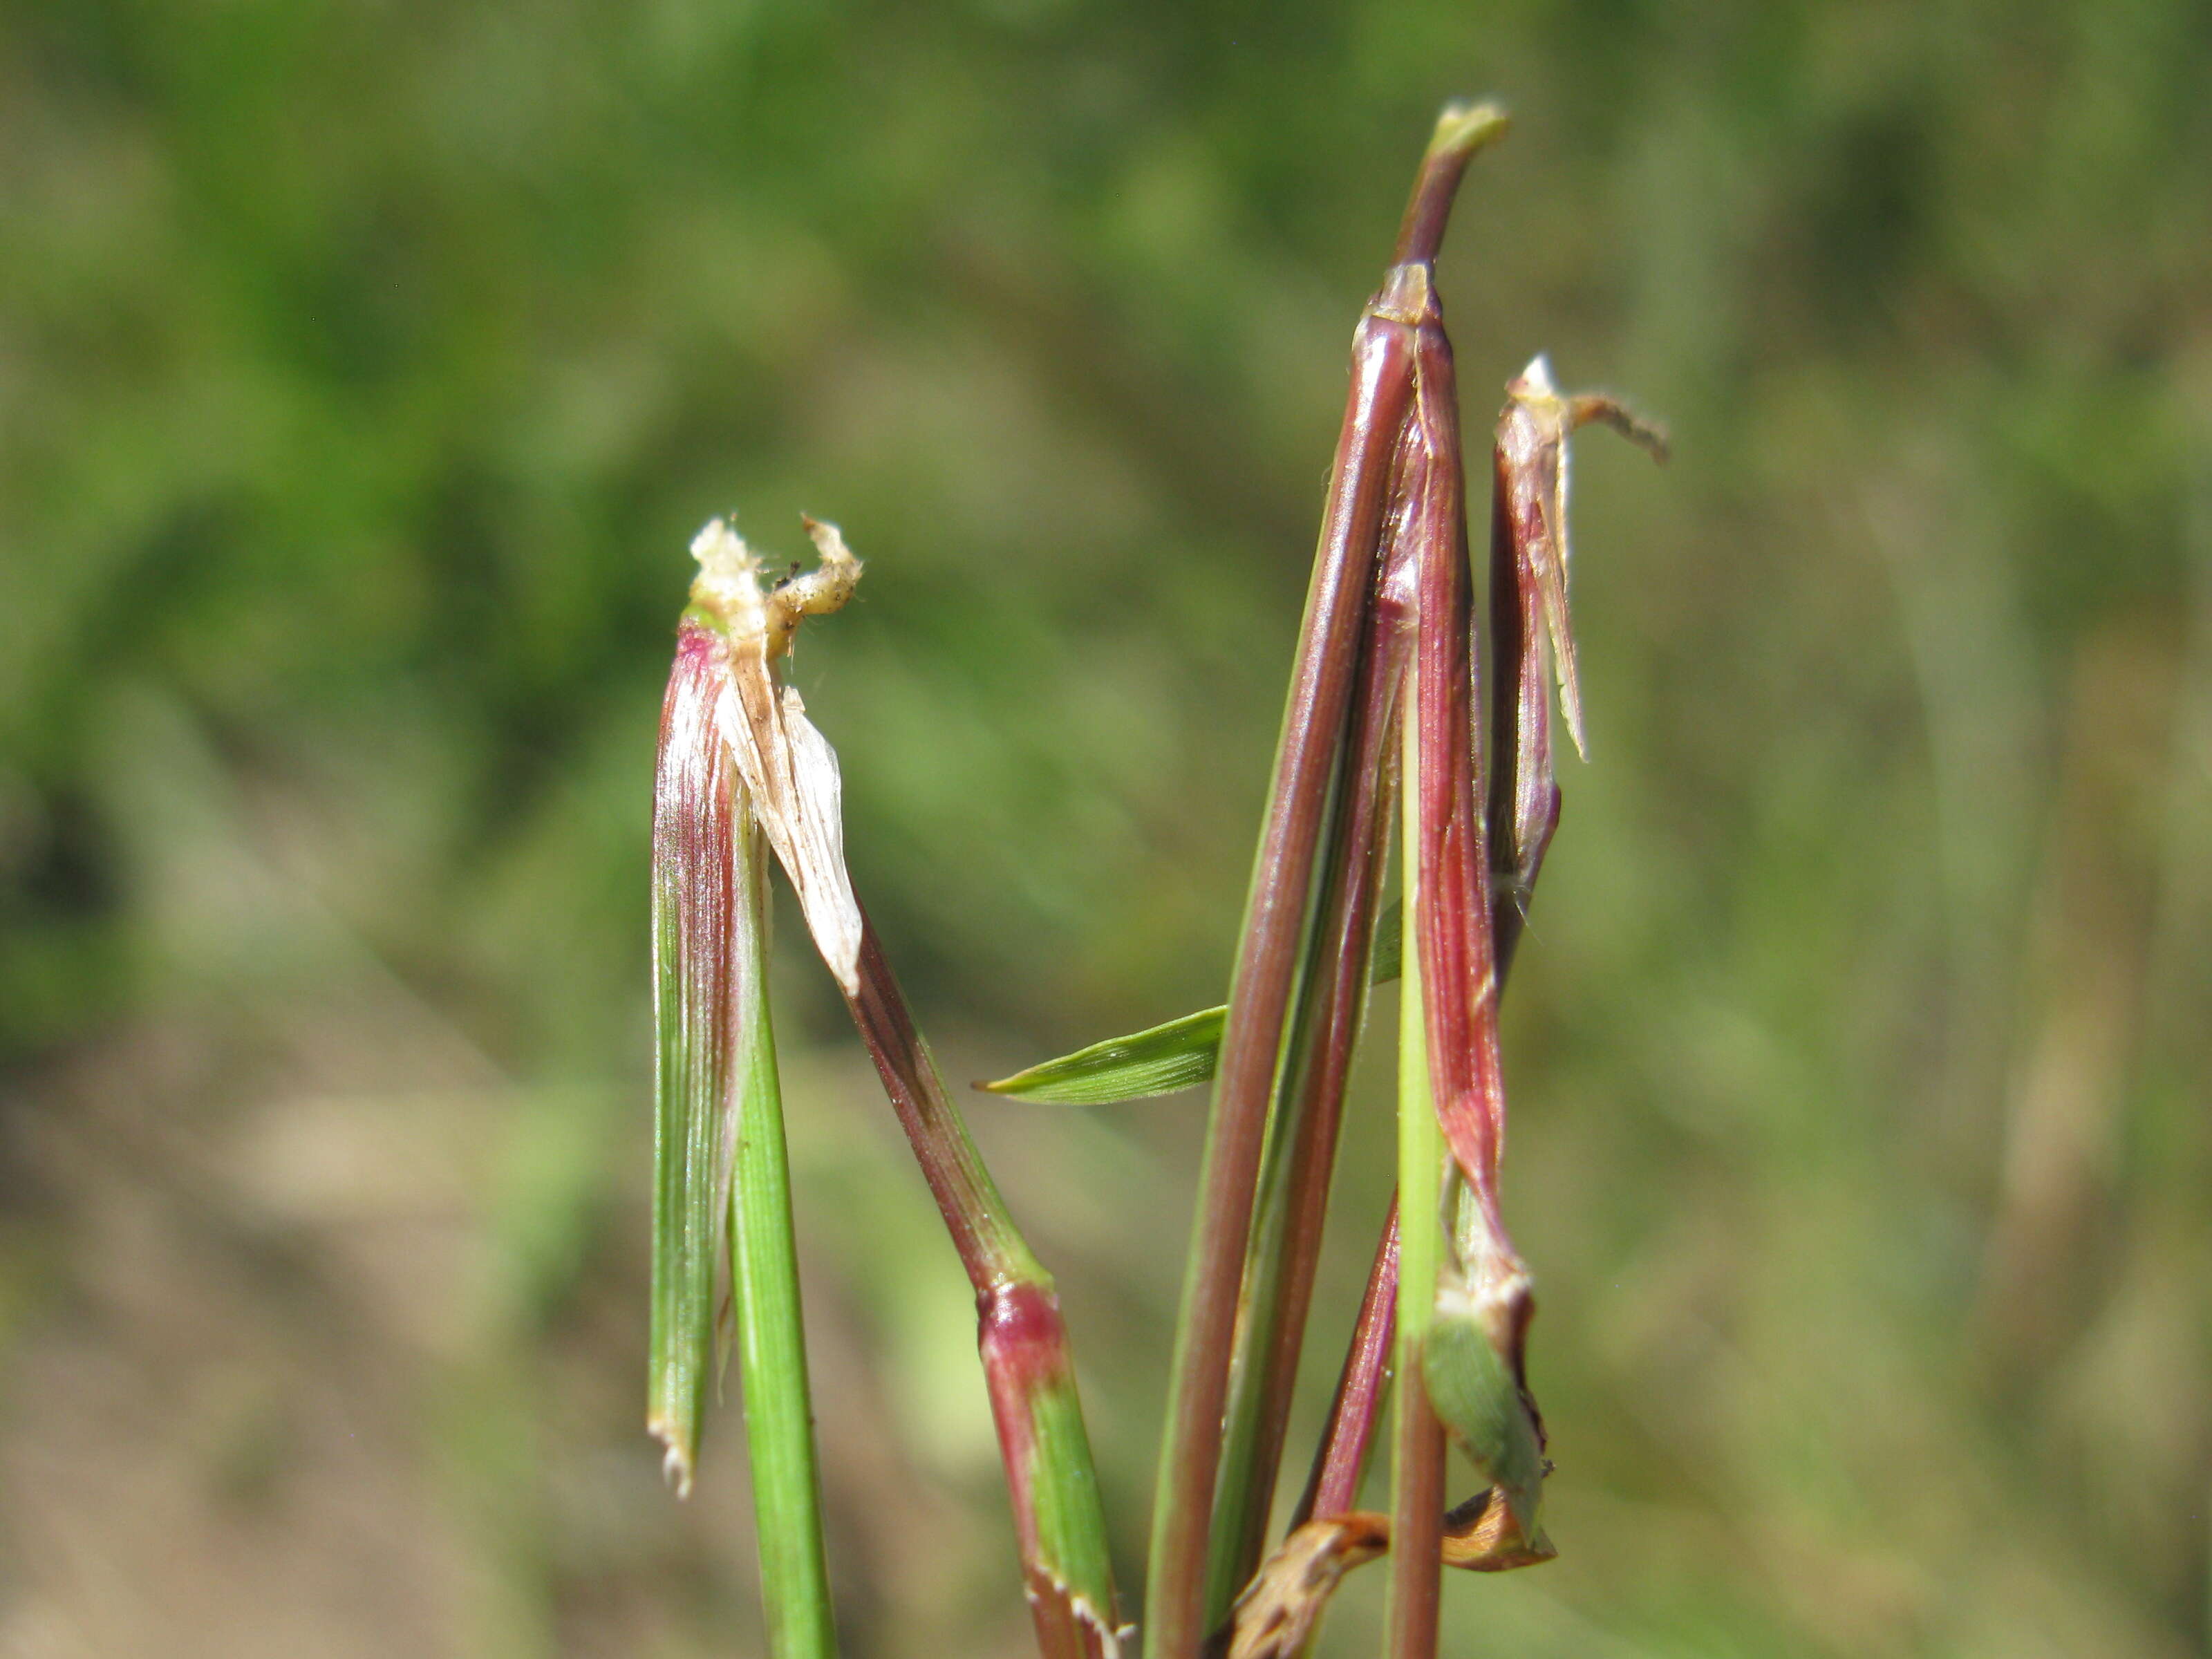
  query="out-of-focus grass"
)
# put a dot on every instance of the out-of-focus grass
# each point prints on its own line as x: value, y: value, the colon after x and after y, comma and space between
x: 363, y: 372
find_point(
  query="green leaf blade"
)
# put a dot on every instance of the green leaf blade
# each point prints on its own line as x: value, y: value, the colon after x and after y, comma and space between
x: 1179, y: 1055
x: 765, y: 1286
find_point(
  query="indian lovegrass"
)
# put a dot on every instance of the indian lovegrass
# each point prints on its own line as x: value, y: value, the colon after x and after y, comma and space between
x: 1381, y: 743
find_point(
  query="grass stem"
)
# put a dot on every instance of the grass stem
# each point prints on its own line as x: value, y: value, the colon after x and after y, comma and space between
x: 1279, y: 928
x: 1417, y: 1440
x: 1058, y: 1522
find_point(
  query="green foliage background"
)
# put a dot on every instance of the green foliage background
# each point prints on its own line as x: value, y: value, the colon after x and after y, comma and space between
x: 364, y: 369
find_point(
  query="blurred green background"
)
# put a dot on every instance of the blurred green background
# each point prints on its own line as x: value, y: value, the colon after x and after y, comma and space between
x: 364, y: 370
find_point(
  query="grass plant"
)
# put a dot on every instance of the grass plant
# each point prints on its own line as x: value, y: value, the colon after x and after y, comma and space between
x: 1380, y: 733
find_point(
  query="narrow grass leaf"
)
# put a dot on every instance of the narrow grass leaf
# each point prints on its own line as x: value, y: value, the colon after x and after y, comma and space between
x: 1180, y: 1053
x: 764, y: 1284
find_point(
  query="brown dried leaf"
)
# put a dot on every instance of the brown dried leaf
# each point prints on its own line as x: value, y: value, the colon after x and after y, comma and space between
x: 787, y: 767
x: 1278, y: 1610
x: 1481, y: 1535
x: 1281, y: 1607
x: 1532, y: 429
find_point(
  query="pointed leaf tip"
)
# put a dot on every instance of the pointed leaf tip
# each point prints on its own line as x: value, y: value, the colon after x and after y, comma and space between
x: 1178, y: 1054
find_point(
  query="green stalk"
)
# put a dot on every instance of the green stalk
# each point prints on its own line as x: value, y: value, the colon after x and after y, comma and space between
x: 1417, y: 1440
x: 1059, y: 1521
x: 764, y: 1276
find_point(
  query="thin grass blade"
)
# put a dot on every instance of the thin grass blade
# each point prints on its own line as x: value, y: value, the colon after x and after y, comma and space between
x: 764, y: 1279
x: 1179, y: 1054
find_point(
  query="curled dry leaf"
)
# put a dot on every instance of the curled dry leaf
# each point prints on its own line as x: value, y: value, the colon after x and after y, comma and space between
x: 1480, y: 1536
x: 787, y: 767
x: 1277, y: 1614
x: 1532, y: 429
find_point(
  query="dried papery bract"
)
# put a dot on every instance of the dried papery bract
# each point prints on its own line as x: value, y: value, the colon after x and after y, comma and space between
x: 790, y: 772
x: 1531, y: 468
x: 1276, y: 1616
x: 1281, y: 1609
